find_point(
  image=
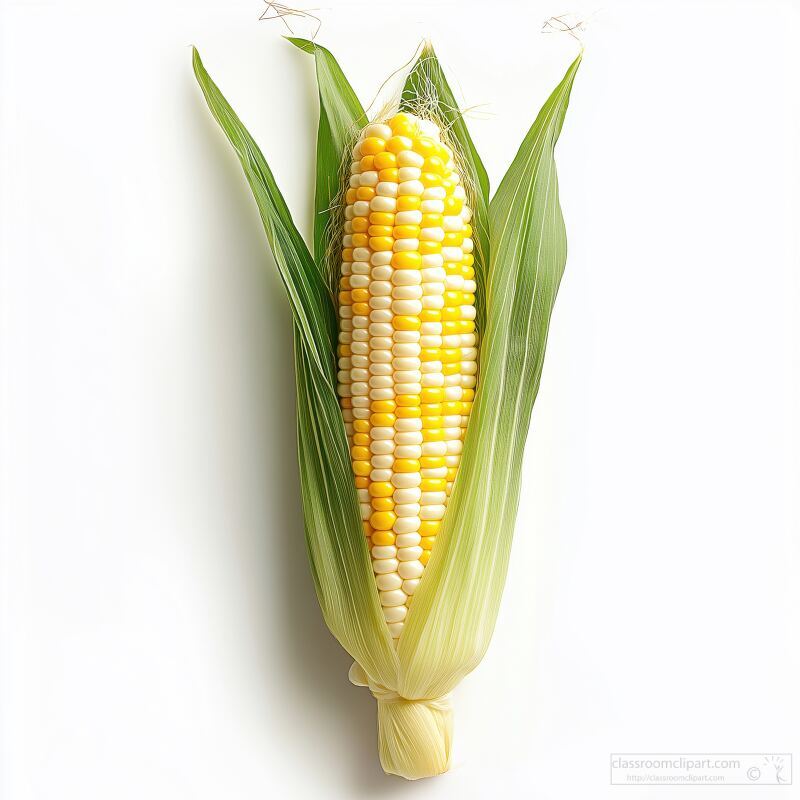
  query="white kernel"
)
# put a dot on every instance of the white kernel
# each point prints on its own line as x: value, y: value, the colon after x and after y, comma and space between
x: 380, y: 342
x: 467, y: 245
x: 389, y: 551
x: 361, y: 209
x: 434, y: 472
x: 395, y: 614
x: 408, y: 218
x: 451, y: 420
x: 432, y: 274
x: 348, y: 212
x: 382, y: 447
x: 380, y: 259
x: 407, y: 510
x: 407, y: 424
x: 408, y: 540
x: 459, y: 193
x: 469, y: 368
x: 432, y: 260
x: 360, y: 268
x: 452, y: 254
x: 432, y: 499
x: 410, y: 553
x: 381, y: 315
x: 470, y: 286
x: 359, y: 375
x: 410, y: 188
x: 386, y: 189
x: 382, y: 432
x: 379, y: 203
x: 380, y: 329
x: 395, y: 629
x: 406, y: 363
x: 369, y: 178
x: 380, y: 475
x: 386, y: 565
x: 406, y: 336
x: 354, y: 181
x: 432, y: 379
x: 467, y: 312
x: 405, y: 245
x: 410, y: 586
x: 409, y: 292
x: 430, y: 328
x: 404, y: 349
x: 432, y: 206
x: 429, y: 128
x: 431, y: 235
x: 406, y: 277
x: 434, y: 193
x: 433, y: 448
x: 408, y: 158
x: 388, y: 582
x: 405, y: 480
x: 453, y: 223
x: 430, y: 513
x: 452, y: 393
x: 380, y: 287
x: 468, y: 381
x: 405, y: 525
x: 379, y: 130
x: 407, y: 495
x: 454, y: 446
x: 432, y: 366
x: 453, y: 341
x: 408, y: 388
x: 453, y: 380
x: 407, y: 376
x: 407, y: 451
x: 382, y: 462
x: 366, y: 511
x: 381, y: 394
x: 408, y: 174
x: 395, y: 597
x: 452, y: 461
x: 409, y: 569
x: 408, y: 437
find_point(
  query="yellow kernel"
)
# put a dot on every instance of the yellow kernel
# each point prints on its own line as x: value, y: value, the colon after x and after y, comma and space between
x: 408, y: 202
x: 407, y: 412
x: 408, y: 259
x: 408, y: 399
x: 382, y: 420
x: 360, y: 239
x: 434, y: 164
x: 381, y: 489
x: 429, y: 354
x: 381, y: 243
x: 384, y: 160
x: 345, y: 299
x: 406, y: 232
x: 361, y: 309
x: 427, y: 248
x: 430, y: 462
x: 453, y: 239
x: 432, y: 394
x: 365, y: 525
x: 382, y: 406
x: 382, y: 520
x: 380, y: 230
x: 425, y: 557
x: 367, y: 163
x: 347, y: 254
x: 347, y: 402
x: 468, y: 259
x: 430, y: 315
x: 423, y: 145
x: 381, y: 218
x: 431, y: 221
x: 372, y: 145
x: 362, y: 482
x: 359, y: 453
x: 431, y: 179
x: 365, y: 193
x: 451, y: 313
x: 434, y: 484
x: 383, y: 538
x: 388, y: 175
x: 452, y: 206
x: 450, y: 355
x: 406, y: 465
x: 451, y: 369
x: 382, y: 504
x: 350, y: 196
x: 360, y: 439
x: 362, y: 468
x: 361, y: 425
x: 404, y: 323
x: 432, y: 422
x: 360, y: 225
x: 467, y: 395
x: 428, y: 542
x: 397, y: 144
x: 432, y: 435
x: 429, y: 527
x: 401, y: 125
x: 431, y: 409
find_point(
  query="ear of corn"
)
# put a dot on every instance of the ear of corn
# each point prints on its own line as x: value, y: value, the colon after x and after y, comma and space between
x: 519, y: 258
x: 407, y: 344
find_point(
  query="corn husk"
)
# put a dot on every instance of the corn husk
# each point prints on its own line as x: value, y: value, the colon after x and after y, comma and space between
x: 520, y: 258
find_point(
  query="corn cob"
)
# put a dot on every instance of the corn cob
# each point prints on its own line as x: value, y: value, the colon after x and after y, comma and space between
x: 407, y: 344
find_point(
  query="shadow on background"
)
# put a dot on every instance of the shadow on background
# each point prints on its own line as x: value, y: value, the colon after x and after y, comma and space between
x: 304, y: 669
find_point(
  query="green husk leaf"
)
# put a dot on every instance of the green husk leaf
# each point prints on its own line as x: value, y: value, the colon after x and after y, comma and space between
x: 340, y: 561
x: 455, y: 607
x: 341, y: 117
x: 427, y: 89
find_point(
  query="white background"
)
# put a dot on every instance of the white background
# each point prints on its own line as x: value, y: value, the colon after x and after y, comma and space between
x: 160, y: 634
